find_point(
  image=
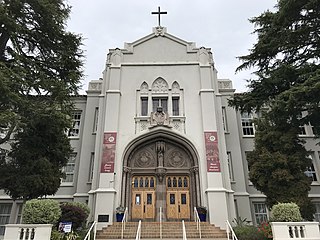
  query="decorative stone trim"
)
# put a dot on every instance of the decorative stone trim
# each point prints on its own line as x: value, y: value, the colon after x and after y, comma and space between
x: 295, y: 230
x: 28, y: 231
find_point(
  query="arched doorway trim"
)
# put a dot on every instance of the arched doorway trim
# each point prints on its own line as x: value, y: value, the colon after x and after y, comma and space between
x: 158, y: 138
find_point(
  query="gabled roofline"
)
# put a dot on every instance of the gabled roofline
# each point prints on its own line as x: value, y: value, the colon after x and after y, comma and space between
x: 159, y: 32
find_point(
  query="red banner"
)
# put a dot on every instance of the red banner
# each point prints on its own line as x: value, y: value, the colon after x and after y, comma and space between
x: 108, y: 154
x: 212, y: 151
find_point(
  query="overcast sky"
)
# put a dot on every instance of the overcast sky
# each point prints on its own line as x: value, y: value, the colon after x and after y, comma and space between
x: 221, y: 25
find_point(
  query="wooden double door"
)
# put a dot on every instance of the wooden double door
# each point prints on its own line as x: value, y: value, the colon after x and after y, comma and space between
x: 175, y: 202
x: 178, y: 197
x: 143, y: 197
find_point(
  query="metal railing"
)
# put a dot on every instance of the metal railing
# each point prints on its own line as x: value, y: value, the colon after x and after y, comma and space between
x: 138, y: 235
x: 123, y: 222
x: 184, y: 233
x: 197, y: 220
x: 230, y: 231
x: 160, y: 220
x: 94, y: 228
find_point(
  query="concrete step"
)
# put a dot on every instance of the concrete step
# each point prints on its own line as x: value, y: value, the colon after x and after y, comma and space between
x: 170, y: 230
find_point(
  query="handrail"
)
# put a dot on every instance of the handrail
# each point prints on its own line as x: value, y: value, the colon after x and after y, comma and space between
x: 197, y: 220
x: 184, y: 233
x: 160, y: 216
x: 94, y: 227
x: 138, y: 235
x: 123, y: 222
x: 233, y: 235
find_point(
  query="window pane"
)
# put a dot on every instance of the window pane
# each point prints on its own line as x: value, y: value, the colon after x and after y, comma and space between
x: 175, y: 106
x: 149, y: 199
x: 260, y: 212
x: 5, y: 211
x: 75, y: 129
x: 172, y: 198
x: 183, y: 199
x: 144, y: 106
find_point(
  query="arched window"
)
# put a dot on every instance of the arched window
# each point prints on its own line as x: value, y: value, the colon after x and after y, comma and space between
x: 179, y: 182
x: 141, y: 182
x: 135, y: 182
x: 152, y: 182
x: 174, y: 182
x: 185, y: 182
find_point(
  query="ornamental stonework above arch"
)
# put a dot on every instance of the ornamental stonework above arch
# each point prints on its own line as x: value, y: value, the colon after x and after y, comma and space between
x: 176, y: 158
x: 170, y: 156
x: 144, y: 87
x: 144, y: 158
x: 160, y: 85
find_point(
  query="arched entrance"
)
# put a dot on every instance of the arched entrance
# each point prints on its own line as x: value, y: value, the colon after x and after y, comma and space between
x: 160, y: 171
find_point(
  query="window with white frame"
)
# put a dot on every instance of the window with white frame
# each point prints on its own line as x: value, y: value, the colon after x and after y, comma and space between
x: 230, y: 166
x: 260, y: 212
x: 69, y: 169
x: 5, y: 211
x: 91, y: 167
x: 95, y: 120
x: 76, y: 120
x: 247, y: 124
x: 224, y: 119
x: 175, y: 106
x: 160, y: 102
x: 311, y: 171
x: 317, y: 212
x: 144, y: 106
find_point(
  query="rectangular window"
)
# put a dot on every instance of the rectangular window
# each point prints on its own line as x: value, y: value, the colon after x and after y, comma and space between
x: 224, y: 119
x: 75, y: 129
x: 95, y: 120
x: 230, y: 166
x: 317, y: 212
x: 160, y: 102
x: 311, y: 172
x: 5, y: 211
x: 69, y: 169
x: 175, y: 106
x: 144, y: 106
x: 260, y: 213
x: 247, y: 124
x: 91, y: 167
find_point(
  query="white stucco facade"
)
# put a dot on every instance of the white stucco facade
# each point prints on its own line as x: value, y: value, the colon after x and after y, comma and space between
x: 121, y: 139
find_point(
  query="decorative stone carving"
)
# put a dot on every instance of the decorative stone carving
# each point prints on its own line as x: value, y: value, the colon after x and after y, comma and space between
x: 176, y: 159
x: 159, y: 118
x: 160, y: 85
x: 127, y: 169
x: 144, y: 159
x: 175, y: 87
x: 144, y: 87
x: 160, y: 147
x: 161, y: 173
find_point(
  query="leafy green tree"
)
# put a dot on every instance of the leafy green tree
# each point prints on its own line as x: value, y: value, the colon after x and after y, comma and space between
x: 40, y: 70
x: 286, y: 62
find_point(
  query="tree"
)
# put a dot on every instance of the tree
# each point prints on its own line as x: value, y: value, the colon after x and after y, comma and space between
x: 286, y: 59
x: 40, y: 70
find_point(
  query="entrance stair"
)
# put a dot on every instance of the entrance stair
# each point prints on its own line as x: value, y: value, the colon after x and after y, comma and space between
x: 170, y: 230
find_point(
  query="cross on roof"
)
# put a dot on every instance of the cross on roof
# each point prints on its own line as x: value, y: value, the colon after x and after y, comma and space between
x: 159, y: 13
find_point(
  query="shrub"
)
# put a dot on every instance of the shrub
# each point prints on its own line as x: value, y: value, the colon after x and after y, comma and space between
x: 246, y: 232
x: 265, y: 228
x: 285, y: 212
x: 82, y: 205
x: 44, y: 211
x: 73, y: 213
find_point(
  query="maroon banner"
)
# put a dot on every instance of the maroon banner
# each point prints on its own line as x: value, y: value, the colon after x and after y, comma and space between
x: 212, y: 151
x: 108, y: 154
